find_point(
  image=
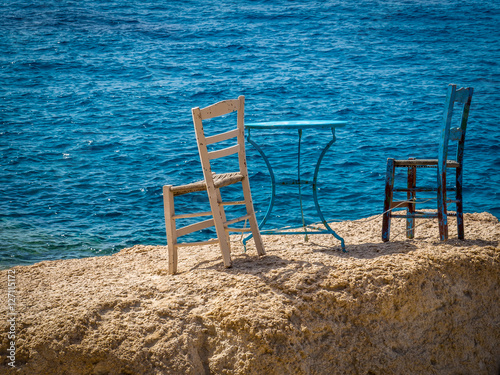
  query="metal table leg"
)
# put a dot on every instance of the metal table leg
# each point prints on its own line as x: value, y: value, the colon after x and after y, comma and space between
x: 315, y: 192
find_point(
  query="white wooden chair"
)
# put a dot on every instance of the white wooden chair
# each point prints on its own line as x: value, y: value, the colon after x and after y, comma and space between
x: 212, y: 183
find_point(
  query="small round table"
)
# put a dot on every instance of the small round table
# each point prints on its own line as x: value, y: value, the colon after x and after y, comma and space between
x: 300, y: 126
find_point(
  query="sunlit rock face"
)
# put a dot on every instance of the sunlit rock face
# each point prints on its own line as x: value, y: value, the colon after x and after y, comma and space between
x: 404, y: 307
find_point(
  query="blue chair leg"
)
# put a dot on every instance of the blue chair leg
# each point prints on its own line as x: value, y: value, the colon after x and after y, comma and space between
x: 410, y: 195
x: 442, y: 209
x: 459, y: 204
x: 389, y: 185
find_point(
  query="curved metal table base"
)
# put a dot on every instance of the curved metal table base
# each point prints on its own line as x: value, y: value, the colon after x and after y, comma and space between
x: 300, y: 125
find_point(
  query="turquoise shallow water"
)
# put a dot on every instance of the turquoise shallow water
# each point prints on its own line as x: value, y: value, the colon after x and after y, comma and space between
x: 95, y: 102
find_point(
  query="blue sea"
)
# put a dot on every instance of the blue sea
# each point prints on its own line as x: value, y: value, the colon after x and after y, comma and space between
x: 96, y: 98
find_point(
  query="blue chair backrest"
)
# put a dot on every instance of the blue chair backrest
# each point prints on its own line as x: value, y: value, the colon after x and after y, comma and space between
x: 457, y: 103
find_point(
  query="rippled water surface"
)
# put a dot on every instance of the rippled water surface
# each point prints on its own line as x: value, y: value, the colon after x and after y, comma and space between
x: 95, y: 101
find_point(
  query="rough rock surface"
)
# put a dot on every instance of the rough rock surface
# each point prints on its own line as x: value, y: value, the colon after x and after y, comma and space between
x: 404, y: 307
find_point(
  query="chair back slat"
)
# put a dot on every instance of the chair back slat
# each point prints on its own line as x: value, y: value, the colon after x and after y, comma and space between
x: 224, y: 152
x: 219, y: 109
x: 462, y: 95
x: 455, y: 134
x: 222, y: 137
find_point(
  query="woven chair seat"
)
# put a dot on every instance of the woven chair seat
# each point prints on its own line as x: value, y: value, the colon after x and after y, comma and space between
x: 220, y: 180
x: 424, y: 163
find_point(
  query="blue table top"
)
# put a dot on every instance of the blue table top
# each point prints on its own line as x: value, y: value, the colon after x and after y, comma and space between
x: 296, y: 124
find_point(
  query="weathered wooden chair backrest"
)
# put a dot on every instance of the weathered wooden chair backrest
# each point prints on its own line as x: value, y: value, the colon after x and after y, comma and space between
x: 206, y: 155
x: 457, y: 104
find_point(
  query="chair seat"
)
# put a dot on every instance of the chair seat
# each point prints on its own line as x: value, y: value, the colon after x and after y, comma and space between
x: 424, y: 163
x: 220, y: 180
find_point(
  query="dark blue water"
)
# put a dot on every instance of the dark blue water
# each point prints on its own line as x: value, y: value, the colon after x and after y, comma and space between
x: 95, y: 100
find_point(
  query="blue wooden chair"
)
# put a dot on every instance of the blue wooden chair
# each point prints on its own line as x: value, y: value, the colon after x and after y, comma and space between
x: 457, y: 100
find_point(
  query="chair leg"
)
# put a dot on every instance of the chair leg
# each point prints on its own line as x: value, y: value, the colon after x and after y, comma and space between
x: 442, y: 209
x: 389, y: 185
x: 222, y: 213
x: 460, y: 208
x: 168, y: 208
x: 254, y: 226
x: 410, y: 195
x: 222, y: 235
